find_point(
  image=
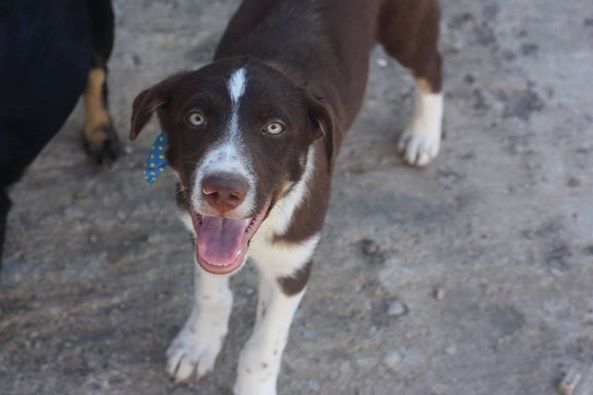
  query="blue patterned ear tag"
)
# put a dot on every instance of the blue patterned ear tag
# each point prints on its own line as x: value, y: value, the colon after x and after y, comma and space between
x: 156, y: 163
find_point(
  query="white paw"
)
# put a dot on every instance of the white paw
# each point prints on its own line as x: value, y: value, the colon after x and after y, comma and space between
x: 192, y: 355
x: 254, y: 384
x: 419, y: 149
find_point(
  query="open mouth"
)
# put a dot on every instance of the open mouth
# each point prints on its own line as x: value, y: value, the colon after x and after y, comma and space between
x: 222, y: 243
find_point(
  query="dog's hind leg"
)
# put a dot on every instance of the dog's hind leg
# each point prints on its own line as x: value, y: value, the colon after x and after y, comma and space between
x: 99, y: 136
x: 409, y: 30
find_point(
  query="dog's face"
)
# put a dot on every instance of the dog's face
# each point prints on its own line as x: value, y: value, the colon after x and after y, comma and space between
x: 239, y: 135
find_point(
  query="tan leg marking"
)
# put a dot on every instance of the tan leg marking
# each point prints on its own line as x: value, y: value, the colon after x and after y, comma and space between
x: 96, y: 115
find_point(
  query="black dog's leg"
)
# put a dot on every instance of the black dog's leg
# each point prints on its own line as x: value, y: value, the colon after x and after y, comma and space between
x: 4, y: 208
x: 99, y: 136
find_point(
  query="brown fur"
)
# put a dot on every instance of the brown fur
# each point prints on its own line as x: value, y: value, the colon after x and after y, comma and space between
x: 409, y: 31
x: 294, y: 284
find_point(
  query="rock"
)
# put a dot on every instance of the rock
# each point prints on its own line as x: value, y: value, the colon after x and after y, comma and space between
x: 413, y: 356
x: 366, y: 362
x: 439, y: 294
x: 392, y: 360
x: 345, y: 368
x: 382, y: 62
x: 397, y: 309
x: 313, y: 385
x: 80, y: 195
x: 372, y: 252
x: 451, y: 350
x: 309, y: 333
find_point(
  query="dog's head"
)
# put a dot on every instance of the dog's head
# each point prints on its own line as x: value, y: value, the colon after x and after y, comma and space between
x: 239, y: 134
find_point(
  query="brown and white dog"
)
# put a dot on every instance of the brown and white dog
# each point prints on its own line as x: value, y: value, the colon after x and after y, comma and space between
x: 252, y: 139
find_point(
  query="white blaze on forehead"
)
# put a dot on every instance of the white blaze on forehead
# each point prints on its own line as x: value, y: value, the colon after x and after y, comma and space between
x: 237, y: 85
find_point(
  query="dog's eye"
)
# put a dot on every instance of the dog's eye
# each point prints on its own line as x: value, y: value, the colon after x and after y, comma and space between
x: 196, y: 119
x: 274, y: 128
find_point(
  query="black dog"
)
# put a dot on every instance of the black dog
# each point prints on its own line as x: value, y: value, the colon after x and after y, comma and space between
x: 49, y: 52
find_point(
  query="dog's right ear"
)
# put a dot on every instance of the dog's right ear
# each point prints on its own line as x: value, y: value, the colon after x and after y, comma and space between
x: 144, y: 105
x: 324, y: 126
x: 148, y: 101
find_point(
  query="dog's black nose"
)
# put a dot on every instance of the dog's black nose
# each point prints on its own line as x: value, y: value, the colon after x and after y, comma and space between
x: 224, y: 191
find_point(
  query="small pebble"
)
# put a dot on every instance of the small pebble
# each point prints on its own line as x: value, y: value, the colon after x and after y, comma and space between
x: 397, y: 309
x: 413, y: 357
x: 569, y: 383
x: 366, y: 362
x: 309, y: 333
x: 439, y: 294
x: 392, y: 360
x: 451, y: 350
x: 313, y: 385
x: 382, y: 62
x: 372, y: 252
x: 345, y: 368
x: 80, y: 195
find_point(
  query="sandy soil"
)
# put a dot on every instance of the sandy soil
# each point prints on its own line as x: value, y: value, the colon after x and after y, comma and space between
x: 474, y: 276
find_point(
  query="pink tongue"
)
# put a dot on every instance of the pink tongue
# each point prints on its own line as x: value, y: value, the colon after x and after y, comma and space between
x: 220, y: 239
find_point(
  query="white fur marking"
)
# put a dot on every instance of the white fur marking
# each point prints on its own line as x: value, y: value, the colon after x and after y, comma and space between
x: 236, y: 88
x: 193, y: 352
x: 281, y: 215
x: 237, y: 84
x: 281, y: 259
x: 420, y: 143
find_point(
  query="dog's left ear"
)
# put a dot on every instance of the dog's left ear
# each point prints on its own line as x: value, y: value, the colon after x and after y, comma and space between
x: 323, y: 123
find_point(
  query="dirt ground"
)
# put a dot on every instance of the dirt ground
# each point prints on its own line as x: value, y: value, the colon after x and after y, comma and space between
x: 474, y: 276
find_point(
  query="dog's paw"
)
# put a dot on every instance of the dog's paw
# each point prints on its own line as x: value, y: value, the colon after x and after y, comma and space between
x: 191, y: 356
x: 102, y: 145
x: 254, y: 385
x: 419, y: 149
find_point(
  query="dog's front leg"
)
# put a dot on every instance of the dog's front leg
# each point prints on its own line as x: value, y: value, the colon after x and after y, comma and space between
x: 260, y: 359
x: 193, y: 352
x: 278, y: 300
